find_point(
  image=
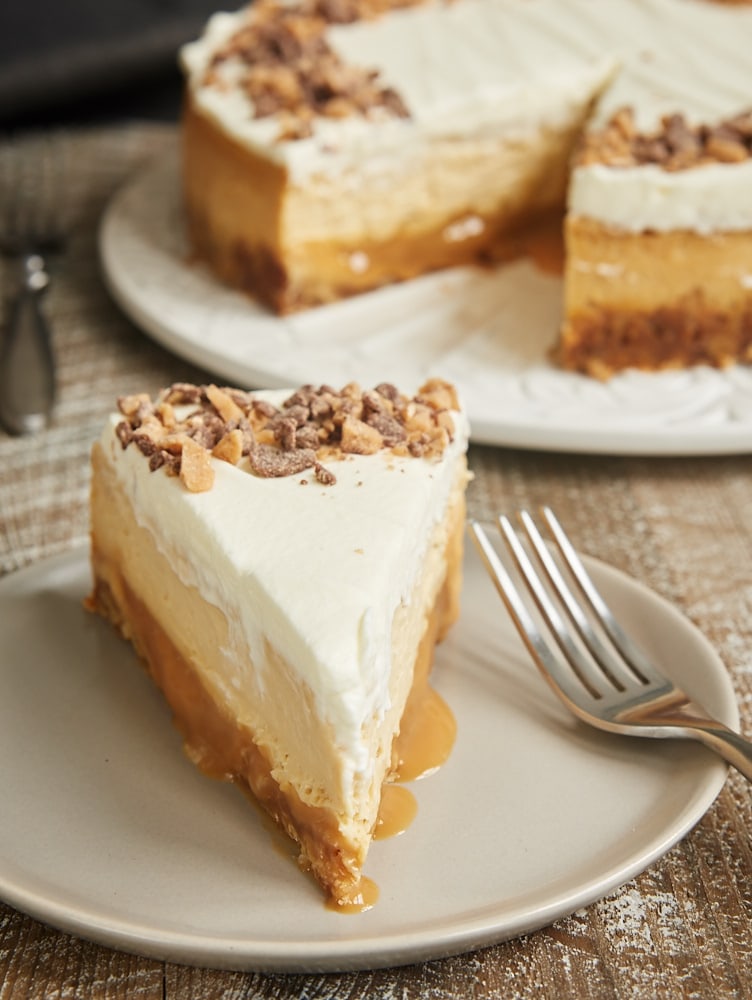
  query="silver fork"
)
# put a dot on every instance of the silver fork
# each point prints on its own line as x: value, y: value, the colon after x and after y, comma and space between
x: 596, y: 669
x: 31, y: 229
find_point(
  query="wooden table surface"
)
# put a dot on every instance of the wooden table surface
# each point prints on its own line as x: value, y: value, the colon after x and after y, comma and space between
x: 682, y: 526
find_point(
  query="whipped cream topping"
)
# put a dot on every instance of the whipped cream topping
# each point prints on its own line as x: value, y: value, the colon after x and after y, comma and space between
x: 475, y: 67
x: 318, y: 574
x: 703, y: 199
x: 510, y: 67
x: 685, y: 56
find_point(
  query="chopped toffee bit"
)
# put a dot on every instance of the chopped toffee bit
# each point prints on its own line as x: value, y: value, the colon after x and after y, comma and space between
x: 229, y: 447
x: 290, y: 70
x: 323, y: 475
x: 196, y: 472
x: 674, y: 145
x: 130, y: 406
x: 270, y: 462
x: 183, y: 392
x: 224, y: 404
x: 313, y: 425
x: 388, y: 427
x: 359, y: 438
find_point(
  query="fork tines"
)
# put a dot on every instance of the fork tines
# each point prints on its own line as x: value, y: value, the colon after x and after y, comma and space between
x: 563, y: 620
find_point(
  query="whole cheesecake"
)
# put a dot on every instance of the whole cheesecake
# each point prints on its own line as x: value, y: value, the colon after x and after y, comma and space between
x: 334, y: 146
x: 284, y: 564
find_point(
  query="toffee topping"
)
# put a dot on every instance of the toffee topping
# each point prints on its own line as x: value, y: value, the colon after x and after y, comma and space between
x: 289, y: 69
x: 674, y: 145
x: 313, y: 426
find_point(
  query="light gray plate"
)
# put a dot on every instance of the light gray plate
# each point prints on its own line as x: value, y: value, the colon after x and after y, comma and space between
x: 109, y: 832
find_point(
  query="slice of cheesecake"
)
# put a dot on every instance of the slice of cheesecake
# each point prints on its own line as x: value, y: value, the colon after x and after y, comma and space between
x: 284, y: 564
x: 659, y: 246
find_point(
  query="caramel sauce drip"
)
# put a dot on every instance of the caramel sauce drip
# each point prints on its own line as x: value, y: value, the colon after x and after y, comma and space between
x: 361, y: 898
x: 424, y: 743
x: 426, y: 736
x: 427, y: 733
x: 541, y: 240
x: 397, y: 810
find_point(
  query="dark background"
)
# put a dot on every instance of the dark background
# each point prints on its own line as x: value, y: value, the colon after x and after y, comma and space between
x: 92, y: 61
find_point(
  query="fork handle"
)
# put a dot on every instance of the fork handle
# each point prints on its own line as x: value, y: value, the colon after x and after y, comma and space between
x: 27, y: 368
x: 730, y: 745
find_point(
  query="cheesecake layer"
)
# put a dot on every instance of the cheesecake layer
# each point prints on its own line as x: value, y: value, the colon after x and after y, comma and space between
x: 333, y: 238
x: 655, y: 300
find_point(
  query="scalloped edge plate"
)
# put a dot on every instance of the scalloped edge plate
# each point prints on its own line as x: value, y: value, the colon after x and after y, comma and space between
x: 488, y: 330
